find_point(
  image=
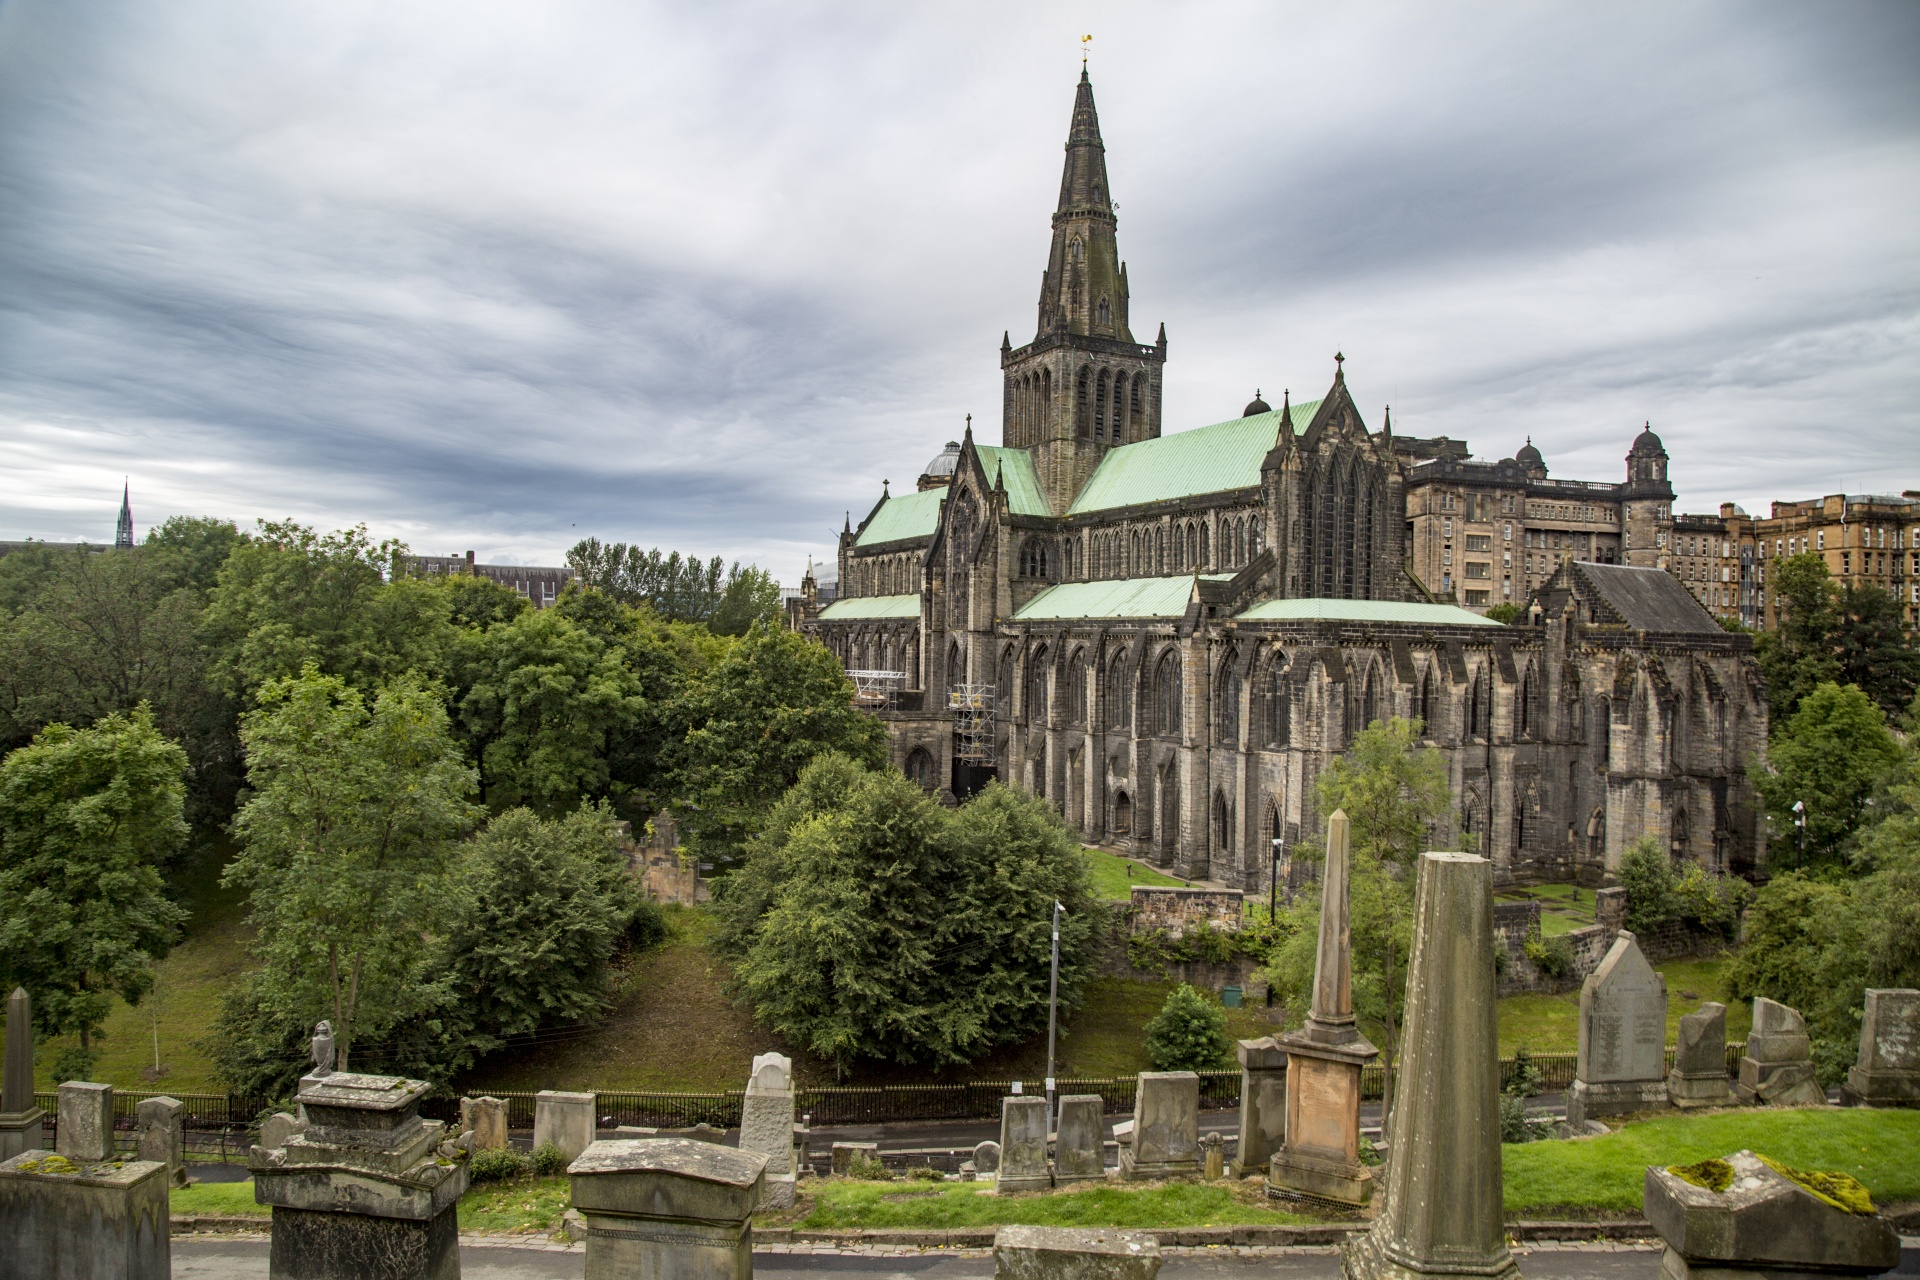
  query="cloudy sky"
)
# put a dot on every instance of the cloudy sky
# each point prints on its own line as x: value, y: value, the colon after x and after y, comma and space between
x: 499, y: 275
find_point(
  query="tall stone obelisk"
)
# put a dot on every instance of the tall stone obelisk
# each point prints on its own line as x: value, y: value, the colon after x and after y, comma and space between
x: 1441, y: 1214
x: 19, y: 1118
x: 1321, y: 1155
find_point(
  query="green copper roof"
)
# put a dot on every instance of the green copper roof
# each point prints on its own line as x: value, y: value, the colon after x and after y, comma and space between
x: 1444, y: 615
x: 911, y: 515
x: 1226, y: 455
x: 1118, y: 598
x: 1023, y: 485
x: 872, y: 607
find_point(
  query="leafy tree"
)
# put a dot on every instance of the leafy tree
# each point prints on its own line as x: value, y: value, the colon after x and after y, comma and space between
x: 1646, y: 873
x: 478, y: 603
x: 194, y: 548
x: 1394, y: 791
x: 1830, y: 757
x: 1189, y: 1033
x: 751, y: 595
x: 1797, y: 656
x: 346, y: 839
x: 86, y: 817
x: 1506, y: 613
x: 774, y: 703
x: 1876, y: 651
x: 678, y: 588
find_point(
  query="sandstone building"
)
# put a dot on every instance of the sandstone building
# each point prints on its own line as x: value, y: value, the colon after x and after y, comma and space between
x: 1171, y: 636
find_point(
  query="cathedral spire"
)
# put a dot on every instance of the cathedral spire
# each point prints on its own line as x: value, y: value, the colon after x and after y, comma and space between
x: 123, y: 532
x: 1084, y: 290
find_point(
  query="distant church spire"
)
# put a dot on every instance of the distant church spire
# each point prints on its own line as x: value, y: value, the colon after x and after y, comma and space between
x: 123, y: 532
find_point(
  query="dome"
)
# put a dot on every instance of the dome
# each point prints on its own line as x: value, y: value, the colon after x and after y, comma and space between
x: 945, y: 463
x: 1256, y: 405
x: 1647, y: 442
x: 1530, y: 456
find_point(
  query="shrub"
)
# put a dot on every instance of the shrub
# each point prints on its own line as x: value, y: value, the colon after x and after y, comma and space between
x: 925, y: 1173
x: 1710, y: 901
x: 1553, y: 957
x: 867, y: 1168
x: 1513, y: 1119
x: 548, y: 1160
x: 1527, y: 1080
x: 1188, y: 1034
x: 1646, y: 873
x: 501, y: 1164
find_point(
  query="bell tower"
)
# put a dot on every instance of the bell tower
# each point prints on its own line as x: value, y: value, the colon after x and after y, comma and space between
x: 1083, y: 384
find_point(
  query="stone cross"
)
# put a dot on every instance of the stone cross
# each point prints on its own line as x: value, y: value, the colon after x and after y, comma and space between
x: 1699, y: 1075
x: 19, y: 1118
x: 1621, y: 1067
x: 1331, y: 1020
x: 1888, y: 1070
x: 322, y: 1049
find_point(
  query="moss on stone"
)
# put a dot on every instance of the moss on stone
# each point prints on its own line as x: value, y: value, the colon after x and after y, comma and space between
x: 1842, y: 1191
x: 1714, y: 1175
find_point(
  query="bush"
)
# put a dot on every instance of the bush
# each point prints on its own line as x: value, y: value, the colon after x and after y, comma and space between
x: 925, y: 1173
x: 1646, y: 873
x: 1527, y: 1080
x: 867, y: 1168
x: 1513, y: 1119
x: 548, y: 1160
x: 1710, y: 901
x: 501, y: 1165
x: 1189, y: 1033
x: 1553, y: 957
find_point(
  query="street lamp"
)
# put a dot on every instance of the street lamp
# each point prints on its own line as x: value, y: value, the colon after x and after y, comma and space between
x: 1800, y: 829
x: 1273, y: 896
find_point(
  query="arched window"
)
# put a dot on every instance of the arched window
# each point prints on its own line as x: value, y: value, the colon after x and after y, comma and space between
x: 1083, y: 403
x: 1682, y: 831
x: 920, y: 768
x: 1077, y: 693
x: 1279, y: 704
x: 956, y: 665
x: 1133, y: 406
x: 1226, y: 716
x: 1476, y: 726
x: 1122, y: 814
x: 1206, y: 558
x: 1159, y: 551
x: 1423, y: 702
x: 1120, y: 419
x: 1166, y: 694
x: 1119, y: 700
x: 1106, y: 313
x: 1033, y: 558
x: 1100, y: 399
x: 1038, y: 712
x: 1529, y: 709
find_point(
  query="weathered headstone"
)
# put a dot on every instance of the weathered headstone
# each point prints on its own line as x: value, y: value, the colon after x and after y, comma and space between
x: 1440, y: 1213
x: 667, y: 1208
x: 1699, y: 1075
x: 1263, y: 1104
x: 161, y: 1130
x: 564, y: 1119
x: 1622, y: 1065
x: 1165, y: 1135
x: 80, y: 1220
x: 367, y: 1189
x: 1887, y: 1072
x: 1778, y: 1067
x: 1722, y: 1219
x: 85, y: 1132
x: 986, y: 1158
x: 277, y: 1128
x: 1079, y: 1150
x: 486, y: 1120
x: 1070, y: 1253
x: 766, y: 1125
x: 20, y: 1120
x: 1321, y: 1155
x: 1213, y: 1157
x: 845, y: 1153
x: 1023, y: 1145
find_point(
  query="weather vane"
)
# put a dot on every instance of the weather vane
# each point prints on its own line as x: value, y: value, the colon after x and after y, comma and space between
x: 1084, y: 42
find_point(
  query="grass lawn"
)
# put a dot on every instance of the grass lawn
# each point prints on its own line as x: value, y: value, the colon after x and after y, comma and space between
x: 1107, y: 1037
x: 1563, y: 907
x: 842, y: 1203
x: 1115, y: 876
x: 1551, y: 1024
x: 522, y: 1205
x: 216, y: 1199
x: 1606, y: 1174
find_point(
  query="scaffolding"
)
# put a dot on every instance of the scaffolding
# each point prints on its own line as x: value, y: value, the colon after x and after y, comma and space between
x: 972, y: 706
x: 877, y: 690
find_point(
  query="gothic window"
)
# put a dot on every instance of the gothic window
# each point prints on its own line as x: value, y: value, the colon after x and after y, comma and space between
x: 1037, y: 709
x: 1279, y: 705
x: 1083, y: 402
x: 1159, y: 551
x: 1226, y: 719
x: 1239, y: 543
x: 1075, y: 249
x: 956, y: 667
x: 1206, y: 557
x: 1423, y: 702
x: 1529, y: 703
x: 1253, y: 538
x: 1133, y: 404
x: 1100, y: 407
x: 1193, y: 547
x: 1033, y: 558
x: 1119, y: 696
x: 1120, y: 419
x: 920, y: 768
x: 1106, y: 313
x: 1077, y: 693
x: 1682, y: 830
x: 1166, y: 694
x: 1476, y: 726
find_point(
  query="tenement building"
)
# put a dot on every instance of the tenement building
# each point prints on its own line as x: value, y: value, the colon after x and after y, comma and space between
x: 1171, y: 636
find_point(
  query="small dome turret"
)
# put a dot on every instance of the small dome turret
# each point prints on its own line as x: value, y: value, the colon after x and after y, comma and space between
x: 1256, y: 405
x: 940, y: 470
x: 1530, y: 460
x: 1647, y: 442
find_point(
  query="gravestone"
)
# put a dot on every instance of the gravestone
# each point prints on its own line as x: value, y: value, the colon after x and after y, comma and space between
x: 67, y: 1219
x: 1023, y: 1145
x: 20, y: 1120
x: 986, y: 1158
x: 85, y: 1132
x: 1778, y: 1067
x: 1320, y: 1158
x: 1761, y: 1223
x: 162, y: 1135
x: 1263, y: 1104
x: 564, y: 1119
x: 277, y: 1128
x: 1079, y: 1152
x: 1699, y: 1075
x: 766, y: 1125
x: 1164, y: 1138
x: 1887, y: 1073
x: 845, y: 1153
x: 1440, y: 1213
x: 667, y: 1208
x: 1621, y: 1067
x: 366, y: 1190
x: 1074, y: 1253
x: 1213, y: 1157
x: 486, y: 1120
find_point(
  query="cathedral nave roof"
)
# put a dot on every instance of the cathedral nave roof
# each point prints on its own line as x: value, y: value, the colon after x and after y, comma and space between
x: 1213, y: 459
x: 846, y: 610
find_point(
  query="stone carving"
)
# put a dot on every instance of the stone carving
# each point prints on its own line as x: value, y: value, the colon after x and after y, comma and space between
x: 162, y: 1137
x: 1778, y: 1067
x: 1164, y: 1137
x: 1623, y: 1037
x: 20, y: 1120
x: 1887, y: 1073
x: 1440, y: 1213
x: 1079, y: 1152
x: 1263, y: 1104
x: 564, y: 1119
x: 766, y: 1125
x: 668, y: 1208
x: 1023, y: 1145
x: 1760, y: 1223
x: 85, y: 1132
x: 1699, y: 1075
x: 322, y: 1049
x: 1068, y: 1253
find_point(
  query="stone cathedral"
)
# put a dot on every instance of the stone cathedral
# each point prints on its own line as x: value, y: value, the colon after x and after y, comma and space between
x: 1170, y: 636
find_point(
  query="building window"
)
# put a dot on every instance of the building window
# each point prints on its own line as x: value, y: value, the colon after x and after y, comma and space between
x: 1478, y: 597
x: 1506, y: 506
x: 1480, y: 542
x: 1822, y: 536
x: 1479, y: 569
x: 1446, y: 526
x: 1033, y: 558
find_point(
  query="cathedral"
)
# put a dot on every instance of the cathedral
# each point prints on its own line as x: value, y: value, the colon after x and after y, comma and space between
x: 1170, y: 636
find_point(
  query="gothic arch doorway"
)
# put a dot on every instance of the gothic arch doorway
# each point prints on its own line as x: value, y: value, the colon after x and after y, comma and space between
x: 1122, y: 814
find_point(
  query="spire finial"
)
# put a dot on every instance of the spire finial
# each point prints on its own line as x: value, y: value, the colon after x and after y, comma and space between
x: 969, y: 434
x: 1339, y: 367
x: 884, y: 482
x: 1086, y: 42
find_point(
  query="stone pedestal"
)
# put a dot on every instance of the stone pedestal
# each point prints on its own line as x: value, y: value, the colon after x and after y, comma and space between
x: 1321, y: 1157
x: 1440, y: 1213
x: 1623, y: 1036
x: 564, y: 1119
x: 1166, y: 1127
x: 1887, y: 1072
x: 1068, y: 1253
x: 1079, y: 1153
x: 81, y: 1220
x: 486, y: 1120
x: 766, y: 1126
x: 1699, y: 1075
x: 367, y: 1189
x: 667, y: 1209
x: 1760, y: 1224
x: 1023, y: 1145
x: 1778, y: 1067
x: 20, y: 1120
x: 1263, y: 1104
x: 162, y: 1137
x: 85, y: 1131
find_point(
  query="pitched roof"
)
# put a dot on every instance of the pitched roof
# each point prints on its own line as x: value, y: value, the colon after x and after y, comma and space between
x: 1023, y: 483
x: 1226, y: 455
x: 1114, y: 598
x: 911, y: 515
x: 1417, y: 614
x: 1644, y: 599
x: 872, y: 607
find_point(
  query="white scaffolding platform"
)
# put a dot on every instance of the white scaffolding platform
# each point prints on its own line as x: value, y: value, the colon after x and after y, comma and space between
x: 973, y: 706
x: 875, y: 690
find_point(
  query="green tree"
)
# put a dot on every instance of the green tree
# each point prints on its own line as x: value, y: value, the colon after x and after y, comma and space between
x: 1797, y: 656
x: 1189, y: 1033
x: 1505, y: 613
x: 1830, y: 757
x: 86, y: 818
x: 1875, y: 648
x: 751, y: 595
x: 1646, y: 873
x: 194, y: 549
x: 346, y: 839
x: 1394, y: 791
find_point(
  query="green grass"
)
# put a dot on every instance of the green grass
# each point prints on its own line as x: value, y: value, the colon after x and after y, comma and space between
x: 1114, y: 876
x: 1551, y: 1024
x: 1563, y: 907
x: 1107, y: 1036
x: 1606, y: 1174
x: 217, y: 1199
x: 840, y: 1203
x: 524, y: 1205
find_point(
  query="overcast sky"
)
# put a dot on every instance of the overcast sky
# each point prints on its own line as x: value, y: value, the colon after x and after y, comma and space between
x: 496, y: 276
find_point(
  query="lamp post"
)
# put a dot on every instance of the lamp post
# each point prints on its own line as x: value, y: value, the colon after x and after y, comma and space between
x: 1800, y: 829
x: 1273, y: 895
x: 1053, y: 1007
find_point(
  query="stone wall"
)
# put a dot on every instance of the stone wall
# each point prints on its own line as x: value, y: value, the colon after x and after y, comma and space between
x: 1177, y: 909
x: 1514, y: 922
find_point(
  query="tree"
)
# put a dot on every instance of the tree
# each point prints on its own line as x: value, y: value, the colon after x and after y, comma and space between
x: 1830, y: 757
x: 1646, y: 873
x: 346, y: 840
x: 1797, y: 655
x: 1394, y: 791
x: 1875, y: 649
x: 1189, y: 1033
x: 86, y: 818
x: 773, y: 704
x: 751, y: 595
x: 1506, y: 613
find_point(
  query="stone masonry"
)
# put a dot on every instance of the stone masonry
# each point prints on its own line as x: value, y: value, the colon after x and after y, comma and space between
x: 667, y: 1209
x: 1621, y: 1067
x: 1080, y: 1151
x: 1762, y: 1225
x: 162, y: 1135
x: 1778, y: 1067
x: 564, y: 1119
x: 1263, y: 1104
x: 1166, y: 1127
x: 1023, y: 1145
